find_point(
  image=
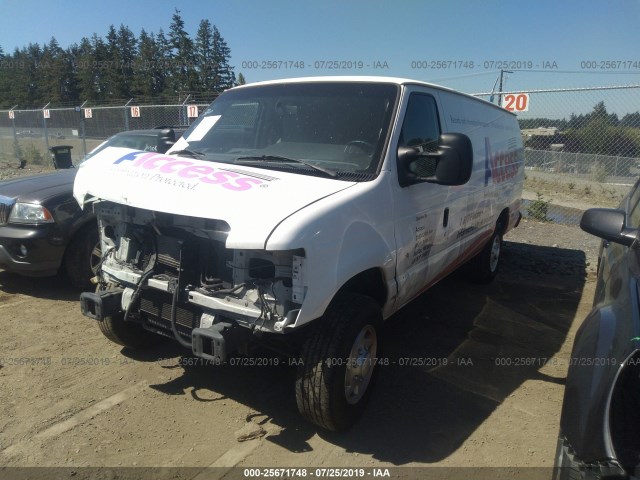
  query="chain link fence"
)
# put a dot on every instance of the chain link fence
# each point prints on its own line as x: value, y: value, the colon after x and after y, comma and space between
x: 26, y: 135
x: 582, y: 145
x: 582, y: 148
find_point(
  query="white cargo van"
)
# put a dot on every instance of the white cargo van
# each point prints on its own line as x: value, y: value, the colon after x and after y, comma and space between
x: 299, y: 214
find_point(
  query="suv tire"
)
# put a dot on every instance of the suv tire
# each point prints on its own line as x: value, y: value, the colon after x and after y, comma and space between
x: 83, y: 256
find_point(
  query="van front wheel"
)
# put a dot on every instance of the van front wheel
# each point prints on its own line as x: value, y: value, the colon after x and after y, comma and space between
x: 484, y: 267
x: 339, y: 363
x: 127, y: 334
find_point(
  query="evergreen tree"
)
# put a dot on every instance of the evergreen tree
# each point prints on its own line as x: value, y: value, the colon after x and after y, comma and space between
x: 241, y: 80
x: 109, y: 73
x: 150, y: 65
x: 576, y: 121
x: 163, y: 63
x: 599, y: 112
x: 4, y: 77
x: 120, y: 66
x: 204, y: 56
x: 101, y: 56
x: 144, y: 83
x: 602, y: 136
x: 183, y: 75
x: 50, y: 72
x: 127, y: 50
x: 87, y: 77
x: 27, y: 83
x: 631, y: 120
x: 69, y: 86
x: 225, y: 78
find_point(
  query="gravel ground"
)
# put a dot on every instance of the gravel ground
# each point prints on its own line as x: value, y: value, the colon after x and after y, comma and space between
x: 73, y: 399
x: 569, y: 237
x: 8, y: 172
x: 446, y: 398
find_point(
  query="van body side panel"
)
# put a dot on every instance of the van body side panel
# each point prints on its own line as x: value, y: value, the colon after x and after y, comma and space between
x: 498, y: 170
x: 440, y: 227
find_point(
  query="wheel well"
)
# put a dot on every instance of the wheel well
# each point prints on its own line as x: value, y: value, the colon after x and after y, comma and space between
x: 370, y: 283
x: 503, y: 221
x: 93, y: 223
x: 624, y: 415
x: 78, y: 231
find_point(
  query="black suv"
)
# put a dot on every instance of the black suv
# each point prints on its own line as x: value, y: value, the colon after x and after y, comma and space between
x: 41, y: 225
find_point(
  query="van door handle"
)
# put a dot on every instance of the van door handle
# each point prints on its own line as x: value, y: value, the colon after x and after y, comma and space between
x: 445, y: 218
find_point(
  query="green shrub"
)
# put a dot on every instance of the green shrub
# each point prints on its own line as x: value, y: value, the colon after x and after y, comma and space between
x: 539, y: 208
x: 33, y: 155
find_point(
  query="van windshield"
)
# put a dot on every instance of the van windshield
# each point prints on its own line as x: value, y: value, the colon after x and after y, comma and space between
x: 334, y: 129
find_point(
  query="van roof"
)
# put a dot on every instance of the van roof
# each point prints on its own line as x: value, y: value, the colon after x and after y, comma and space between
x: 369, y: 79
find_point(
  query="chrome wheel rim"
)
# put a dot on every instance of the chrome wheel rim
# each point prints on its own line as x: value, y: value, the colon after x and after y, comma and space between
x: 494, y: 257
x: 360, y: 364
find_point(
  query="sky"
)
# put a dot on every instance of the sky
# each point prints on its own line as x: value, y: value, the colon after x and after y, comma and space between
x: 462, y: 44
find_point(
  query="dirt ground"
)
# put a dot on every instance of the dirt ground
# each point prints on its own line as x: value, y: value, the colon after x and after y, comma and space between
x: 35, y: 147
x: 474, y: 378
x: 575, y: 191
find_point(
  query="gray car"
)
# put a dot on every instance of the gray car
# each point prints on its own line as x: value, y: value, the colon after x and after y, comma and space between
x: 600, y: 422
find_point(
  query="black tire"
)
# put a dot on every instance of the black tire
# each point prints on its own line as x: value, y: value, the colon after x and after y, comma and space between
x: 483, y: 268
x: 83, y: 257
x: 323, y: 395
x: 127, y: 334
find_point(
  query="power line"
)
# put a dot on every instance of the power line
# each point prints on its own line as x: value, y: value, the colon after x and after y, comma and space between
x: 590, y: 72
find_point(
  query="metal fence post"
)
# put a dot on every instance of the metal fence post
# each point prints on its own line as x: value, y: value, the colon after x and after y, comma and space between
x: 44, y: 123
x: 82, y: 131
x: 184, y: 113
x: 126, y: 117
x: 16, y: 151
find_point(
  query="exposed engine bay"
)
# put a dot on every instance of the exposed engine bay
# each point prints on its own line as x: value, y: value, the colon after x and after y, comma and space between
x: 174, y: 276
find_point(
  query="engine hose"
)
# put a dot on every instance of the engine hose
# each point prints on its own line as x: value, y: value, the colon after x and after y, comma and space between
x: 146, y: 274
x: 174, y: 309
x: 136, y: 293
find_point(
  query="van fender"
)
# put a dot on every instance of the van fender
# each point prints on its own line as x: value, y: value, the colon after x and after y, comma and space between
x: 343, y: 235
x: 361, y: 249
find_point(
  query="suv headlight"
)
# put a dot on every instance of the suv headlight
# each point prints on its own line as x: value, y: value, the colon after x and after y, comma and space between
x: 30, y: 213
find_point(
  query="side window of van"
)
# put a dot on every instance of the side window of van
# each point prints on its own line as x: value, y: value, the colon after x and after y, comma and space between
x: 421, y: 126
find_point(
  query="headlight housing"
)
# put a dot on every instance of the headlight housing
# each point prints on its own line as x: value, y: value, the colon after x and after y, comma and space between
x: 30, y: 213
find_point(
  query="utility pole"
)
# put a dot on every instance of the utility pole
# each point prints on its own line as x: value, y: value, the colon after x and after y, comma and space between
x: 502, y: 72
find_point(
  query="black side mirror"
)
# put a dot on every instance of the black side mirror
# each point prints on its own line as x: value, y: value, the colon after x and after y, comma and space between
x: 608, y: 224
x: 166, y: 139
x: 450, y: 164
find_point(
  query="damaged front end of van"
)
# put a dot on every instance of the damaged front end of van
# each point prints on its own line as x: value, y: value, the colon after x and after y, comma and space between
x: 181, y: 256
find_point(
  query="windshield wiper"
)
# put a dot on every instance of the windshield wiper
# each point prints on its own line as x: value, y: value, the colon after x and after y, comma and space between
x: 188, y: 153
x: 278, y: 158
